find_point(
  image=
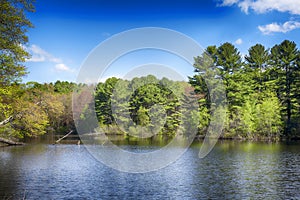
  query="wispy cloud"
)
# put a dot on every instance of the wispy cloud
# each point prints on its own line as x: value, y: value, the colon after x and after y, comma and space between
x: 263, y: 6
x: 239, y: 41
x: 279, y: 28
x: 40, y: 55
x: 229, y: 2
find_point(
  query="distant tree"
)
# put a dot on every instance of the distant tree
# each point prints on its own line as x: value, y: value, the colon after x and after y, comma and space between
x: 150, y: 95
x: 103, y: 95
x: 64, y: 87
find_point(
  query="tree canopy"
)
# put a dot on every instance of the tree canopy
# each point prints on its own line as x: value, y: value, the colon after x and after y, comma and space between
x: 262, y: 90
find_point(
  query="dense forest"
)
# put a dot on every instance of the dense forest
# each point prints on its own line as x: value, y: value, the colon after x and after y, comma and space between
x: 262, y: 90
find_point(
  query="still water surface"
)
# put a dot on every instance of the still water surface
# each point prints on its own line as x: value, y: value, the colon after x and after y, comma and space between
x: 233, y: 170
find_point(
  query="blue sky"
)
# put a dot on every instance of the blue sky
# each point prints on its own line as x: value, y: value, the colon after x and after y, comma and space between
x: 66, y: 31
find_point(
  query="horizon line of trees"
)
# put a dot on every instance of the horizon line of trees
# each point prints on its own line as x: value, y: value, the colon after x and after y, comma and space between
x: 262, y: 91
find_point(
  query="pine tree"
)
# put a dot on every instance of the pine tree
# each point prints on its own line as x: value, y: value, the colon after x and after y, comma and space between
x: 284, y: 61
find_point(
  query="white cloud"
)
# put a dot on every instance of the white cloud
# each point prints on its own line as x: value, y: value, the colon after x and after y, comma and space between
x: 263, y: 6
x: 279, y: 28
x: 238, y: 41
x: 40, y: 55
x: 62, y: 67
x: 229, y: 2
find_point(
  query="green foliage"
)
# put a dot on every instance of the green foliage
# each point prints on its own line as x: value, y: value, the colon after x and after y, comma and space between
x: 64, y: 87
x: 268, y: 113
x: 36, y: 109
x: 262, y: 92
x: 256, y: 66
x: 103, y: 100
x: 146, y: 103
x: 261, y: 118
x: 249, y: 118
x: 284, y: 71
x: 6, y: 94
x: 13, y: 28
x: 29, y: 120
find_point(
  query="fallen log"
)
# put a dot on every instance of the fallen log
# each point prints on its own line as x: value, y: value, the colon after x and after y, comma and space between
x: 10, y: 142
x: 57, y: 141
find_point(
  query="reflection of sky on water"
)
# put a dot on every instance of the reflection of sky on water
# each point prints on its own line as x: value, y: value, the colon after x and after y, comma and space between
x: 232, y: 170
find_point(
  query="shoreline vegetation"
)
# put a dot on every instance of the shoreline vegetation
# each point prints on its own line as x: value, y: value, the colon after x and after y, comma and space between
x: 262, y: 92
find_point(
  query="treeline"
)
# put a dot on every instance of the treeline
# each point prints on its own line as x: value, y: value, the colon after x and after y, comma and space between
x: 262, y: 89
x: 142, y: 106
x: 262, y: 94
x: 262, y: 98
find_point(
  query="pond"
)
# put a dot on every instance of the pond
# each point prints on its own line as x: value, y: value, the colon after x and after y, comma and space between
x: 233, y: 170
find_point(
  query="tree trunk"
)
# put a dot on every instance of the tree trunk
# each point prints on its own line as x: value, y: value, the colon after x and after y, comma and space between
x: 6, y: 121
x: 288, y: 101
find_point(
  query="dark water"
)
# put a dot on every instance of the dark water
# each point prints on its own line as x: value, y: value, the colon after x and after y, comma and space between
x: 233, y: 170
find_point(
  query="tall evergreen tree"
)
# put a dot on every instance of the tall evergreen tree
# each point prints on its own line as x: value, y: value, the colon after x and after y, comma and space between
x: 229, y: 62
x: 285, y: 63
x: 256, y: 65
